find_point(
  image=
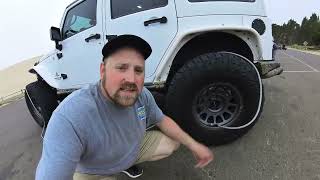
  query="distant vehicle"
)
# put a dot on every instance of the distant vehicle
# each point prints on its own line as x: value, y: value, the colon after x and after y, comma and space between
x: 276, y: 46
x: 284, y: 47
x: 208, y: 59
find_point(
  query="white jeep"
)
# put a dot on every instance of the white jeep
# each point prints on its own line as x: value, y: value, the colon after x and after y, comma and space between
x: 205, y: 70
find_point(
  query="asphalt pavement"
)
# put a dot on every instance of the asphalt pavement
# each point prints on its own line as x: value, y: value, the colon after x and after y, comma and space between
x: 284, y: 144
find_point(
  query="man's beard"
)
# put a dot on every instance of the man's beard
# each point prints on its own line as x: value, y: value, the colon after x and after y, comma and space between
x: 123, y: 100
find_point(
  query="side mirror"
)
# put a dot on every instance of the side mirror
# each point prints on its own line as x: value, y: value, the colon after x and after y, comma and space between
x: 55, y: 36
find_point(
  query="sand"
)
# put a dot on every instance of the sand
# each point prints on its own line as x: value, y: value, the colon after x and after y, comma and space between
x: 14, y: 78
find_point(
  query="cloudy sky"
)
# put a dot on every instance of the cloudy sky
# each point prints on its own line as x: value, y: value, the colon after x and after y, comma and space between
x: 24, y: 25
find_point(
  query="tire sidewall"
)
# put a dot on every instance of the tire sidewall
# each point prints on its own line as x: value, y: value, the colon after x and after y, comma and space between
x: 199, y: 73
x: 45, y: 97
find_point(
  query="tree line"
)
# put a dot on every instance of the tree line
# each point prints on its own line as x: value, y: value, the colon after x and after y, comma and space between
x: 308, y: 33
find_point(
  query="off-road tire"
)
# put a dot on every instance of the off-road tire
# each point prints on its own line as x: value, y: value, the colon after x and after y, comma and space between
x: 236, y: 77
x: 160, y: 99
x: 43, y: 101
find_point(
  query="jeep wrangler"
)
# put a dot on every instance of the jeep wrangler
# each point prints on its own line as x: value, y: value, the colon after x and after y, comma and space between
x: 206, y: 69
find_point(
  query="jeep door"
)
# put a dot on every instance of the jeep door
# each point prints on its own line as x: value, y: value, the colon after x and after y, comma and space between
x: 153, y: 20
x: 82, y: 33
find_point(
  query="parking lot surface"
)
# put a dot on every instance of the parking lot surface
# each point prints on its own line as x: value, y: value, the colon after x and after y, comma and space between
x: 284, y: 144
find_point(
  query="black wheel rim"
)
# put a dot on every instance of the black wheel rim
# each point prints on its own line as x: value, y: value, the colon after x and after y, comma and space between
x: 217, y: 104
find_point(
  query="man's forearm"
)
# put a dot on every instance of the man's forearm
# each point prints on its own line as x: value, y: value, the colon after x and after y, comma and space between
x: 171, y: 129
x: 202, y: 153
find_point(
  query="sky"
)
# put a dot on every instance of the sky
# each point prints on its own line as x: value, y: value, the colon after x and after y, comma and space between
x: 25, y: 24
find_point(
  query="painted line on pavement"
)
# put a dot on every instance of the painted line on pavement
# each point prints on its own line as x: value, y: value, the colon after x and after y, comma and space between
x: 301, y: 71
x: 314, y: 69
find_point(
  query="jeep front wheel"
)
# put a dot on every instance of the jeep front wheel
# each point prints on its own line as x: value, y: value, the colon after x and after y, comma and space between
x: 213, y: 93
x: 41, y: 101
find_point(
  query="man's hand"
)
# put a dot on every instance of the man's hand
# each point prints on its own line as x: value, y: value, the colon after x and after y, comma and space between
x: 202, y: 154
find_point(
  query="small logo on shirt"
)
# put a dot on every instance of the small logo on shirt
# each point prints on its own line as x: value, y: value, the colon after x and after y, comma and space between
x: 141, y: 113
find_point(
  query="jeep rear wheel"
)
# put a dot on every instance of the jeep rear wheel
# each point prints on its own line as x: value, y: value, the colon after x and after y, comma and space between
x: 213, y: 91
x: 41, y: 101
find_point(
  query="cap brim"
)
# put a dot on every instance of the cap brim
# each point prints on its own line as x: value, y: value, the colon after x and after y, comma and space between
x: 131, y: 41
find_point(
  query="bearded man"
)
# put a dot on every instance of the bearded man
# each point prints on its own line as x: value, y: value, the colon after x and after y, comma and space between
x: 100, y: 130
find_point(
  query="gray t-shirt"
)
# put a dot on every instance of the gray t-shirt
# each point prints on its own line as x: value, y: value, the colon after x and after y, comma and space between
x: 88, y: 133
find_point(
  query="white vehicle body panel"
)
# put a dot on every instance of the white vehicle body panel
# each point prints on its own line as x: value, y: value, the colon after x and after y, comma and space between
x: 158, y: 35
x: 186, y: 20
x: 47, y: 68
x: 81, y: 60
x: 238, y: 25
x: 186, y: 8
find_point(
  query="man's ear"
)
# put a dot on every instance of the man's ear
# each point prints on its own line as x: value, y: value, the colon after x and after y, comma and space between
x: 102, y: 70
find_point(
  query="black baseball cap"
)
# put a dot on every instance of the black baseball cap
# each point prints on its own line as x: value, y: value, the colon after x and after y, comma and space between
x: 131, y: 41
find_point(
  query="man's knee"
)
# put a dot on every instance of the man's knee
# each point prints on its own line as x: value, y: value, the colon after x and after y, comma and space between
x: 176, y: 145
x: 168, y: 145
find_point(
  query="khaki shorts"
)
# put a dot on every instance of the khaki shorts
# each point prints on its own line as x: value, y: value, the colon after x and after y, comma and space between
x: 154, y: 146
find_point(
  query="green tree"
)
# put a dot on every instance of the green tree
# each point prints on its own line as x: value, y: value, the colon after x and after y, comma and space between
x: 292, y: 33
x: 314, y: 25
x: 292, y: 30
x: 303, y: 34
x: 316, y: 36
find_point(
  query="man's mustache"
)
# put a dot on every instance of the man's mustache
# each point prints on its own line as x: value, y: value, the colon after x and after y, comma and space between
x: 128, y: 86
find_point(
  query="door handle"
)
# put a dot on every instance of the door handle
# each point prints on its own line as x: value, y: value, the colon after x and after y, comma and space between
x: 157, y: 20
x: 92, y: 36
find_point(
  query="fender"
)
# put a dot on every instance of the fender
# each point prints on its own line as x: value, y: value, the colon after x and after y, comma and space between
x: 47, y: 69
x: 196, y: 26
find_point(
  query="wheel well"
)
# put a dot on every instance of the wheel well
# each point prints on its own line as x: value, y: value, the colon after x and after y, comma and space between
x: 40, y: 79
x: 218, y: 41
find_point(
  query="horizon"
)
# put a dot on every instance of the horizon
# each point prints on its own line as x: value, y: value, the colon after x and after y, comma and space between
x: 299, y: 22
